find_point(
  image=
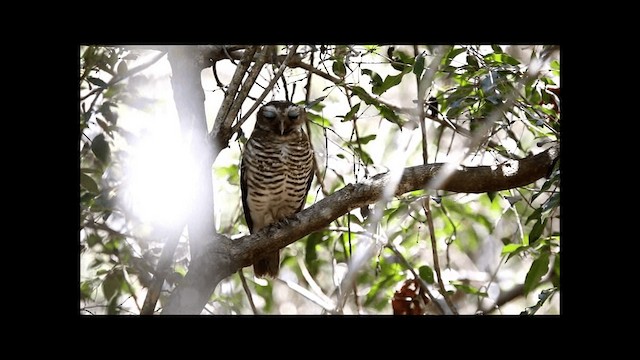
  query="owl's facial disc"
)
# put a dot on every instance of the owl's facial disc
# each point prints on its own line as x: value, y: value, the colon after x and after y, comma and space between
x: 282, y: 118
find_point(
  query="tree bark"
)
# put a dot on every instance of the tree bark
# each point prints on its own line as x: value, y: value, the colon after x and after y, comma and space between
x: 189, y: 98
x: 223, y: 257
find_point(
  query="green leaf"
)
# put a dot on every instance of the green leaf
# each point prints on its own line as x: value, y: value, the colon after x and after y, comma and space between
x: 510, y: 60
x: 555, y: 65
x: 392, y: 213
x: 426, y: 273
x: 389, y: 114
x: 366, y: 139
x: 354, y: 219
x: 496, y: 49
x: 310, y: 253
x: 535, y: 215
x: 556, y: 270
x: 111, y: 284
x: 362, y: 94
x: 101, y: 149
x: 538, y: 269
x: 404, y: 57
x: 521, y: 248
x: 86, y: 288
x: 509, y: 248
x: 547, y: 184
x: 93, y: 239
x: 366, y: 159
x: 547, y: 80
x: 389, y: 82
x: 315, y: 105
x: 402, y: 61
x: 231, y: 173
x: 351, y: 112
x: 371, y: 48
x: 319, y: 120
x: 468, y: 289
x: 452, y: 54
x: 536, y: 231
x: 339, y: 69
x: 376, y: 80
x: 97, y: 82
x: 552, y: 202
x: 89, y: 184
x: 108, y: 114
x: 473, y: 62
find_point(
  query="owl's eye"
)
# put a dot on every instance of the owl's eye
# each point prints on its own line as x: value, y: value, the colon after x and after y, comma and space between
x: 294, y: 113
x: 269, y: 114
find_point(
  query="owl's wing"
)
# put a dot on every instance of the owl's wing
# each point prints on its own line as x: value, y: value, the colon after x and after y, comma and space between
x: 308, y: 184
x: 245, y: 192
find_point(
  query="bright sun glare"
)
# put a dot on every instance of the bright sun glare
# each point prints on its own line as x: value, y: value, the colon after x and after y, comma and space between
x: 159, y: 185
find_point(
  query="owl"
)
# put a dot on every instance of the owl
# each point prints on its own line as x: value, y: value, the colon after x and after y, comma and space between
x: 276, y: 172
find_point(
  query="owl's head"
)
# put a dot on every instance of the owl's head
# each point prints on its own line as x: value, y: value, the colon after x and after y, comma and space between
x: 281, y: 117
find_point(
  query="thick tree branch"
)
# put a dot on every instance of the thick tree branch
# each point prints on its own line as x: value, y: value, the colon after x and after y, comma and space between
x: 223, y: 257
x: 189, y: 98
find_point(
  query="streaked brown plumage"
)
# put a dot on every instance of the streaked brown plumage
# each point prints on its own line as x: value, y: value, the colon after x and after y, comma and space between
x: 276, y: 172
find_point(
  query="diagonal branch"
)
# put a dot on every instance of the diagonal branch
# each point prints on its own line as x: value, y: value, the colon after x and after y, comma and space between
x: 223, y: 257
x: 160, y: 274
x: 219, y: 132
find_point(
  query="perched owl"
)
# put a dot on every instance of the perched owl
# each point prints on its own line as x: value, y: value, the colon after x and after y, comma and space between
x: 276, y: 172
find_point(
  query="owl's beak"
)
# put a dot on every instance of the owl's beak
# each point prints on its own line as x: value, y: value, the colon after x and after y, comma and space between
x: 281, y: 127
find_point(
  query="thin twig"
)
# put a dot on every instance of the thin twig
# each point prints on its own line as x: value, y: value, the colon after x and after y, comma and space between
x: 273, y: 82
x: 248, y: 292
x: 309, y: 279
x: 436, y: 262
x: 424, y: 83
x: 329, y: 307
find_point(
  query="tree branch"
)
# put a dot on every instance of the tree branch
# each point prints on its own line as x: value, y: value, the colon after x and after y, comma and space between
x: 189, y: 98
x: 223, y: 256
x: 220, y: 134
x: 160, y: 274
x: 424, y: 83
x: 266, y: 90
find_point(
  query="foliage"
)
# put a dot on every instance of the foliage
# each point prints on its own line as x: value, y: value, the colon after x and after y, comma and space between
x: 486, y: 104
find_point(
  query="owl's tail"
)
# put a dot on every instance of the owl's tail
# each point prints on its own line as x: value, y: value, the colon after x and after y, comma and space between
x: 267, y: 266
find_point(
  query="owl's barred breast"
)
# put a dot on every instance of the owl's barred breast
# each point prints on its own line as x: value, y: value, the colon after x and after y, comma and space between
x: 277, y: 173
